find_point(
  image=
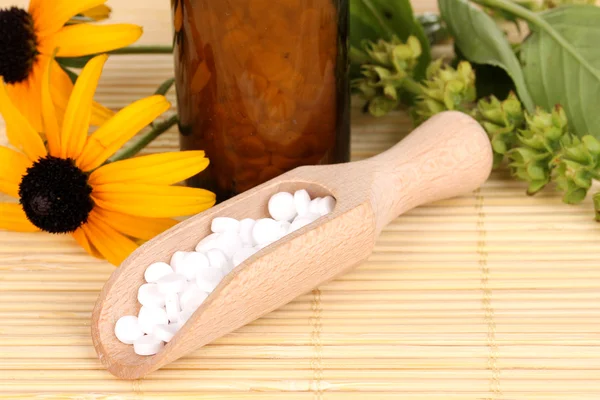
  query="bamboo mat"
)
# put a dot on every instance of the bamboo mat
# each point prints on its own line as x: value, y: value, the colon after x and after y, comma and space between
x: 494, y: 295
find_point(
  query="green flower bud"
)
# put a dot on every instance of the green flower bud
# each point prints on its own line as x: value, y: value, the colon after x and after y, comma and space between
x: 388, y: 65
x: 446, y: 88
x: 597, y: 205
x: 537, y: 144
x: 531, y: 166
x: 544, y: 130
x: 576, y: 166
x: 380, y: 106
x: 501, y: 121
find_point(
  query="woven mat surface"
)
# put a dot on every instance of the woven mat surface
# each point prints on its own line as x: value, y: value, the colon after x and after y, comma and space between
x: 494, y: 295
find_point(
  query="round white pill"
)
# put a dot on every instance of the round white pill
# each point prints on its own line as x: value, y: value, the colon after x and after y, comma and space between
x: 178, y: 325
x: 281, y: 207
x: 127, y: 329
x: 148, y: 295
x: 312, y: 216
x: 156, y: 271
x: 229, y: 242
x: 209, y: 242
x: 266, y: 230
x: 165, y: 332
x: 301, y: 201
x: 173, y: 307
x: 148, y: 345
x: 224, y: 224
x: 314, y: 206
x: 190, y: 264
x: 217, y: 259
x: 185, y: 316
x: 284, y: 228
x: 176, y: 259
x: 299, y: 223
x: 149, y: 317
x: 209, y: 278
x: 186, y: 296
x: 172, y: 283
x: 246, y: 226
x: 326, y: 205
x: 242, y: 255
x: 193, y: 299
x: 259, y: 247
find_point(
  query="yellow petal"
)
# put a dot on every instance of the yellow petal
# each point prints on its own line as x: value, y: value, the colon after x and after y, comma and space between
x: 100, y: 114
x: 26, y: 96
x: 13, y: 166
x: 51, y: 127
x: 23, y: 98
x: 112, y: 245
x: 85, y: 39
x: 120, y: 129
x: 152, y: 201
x: 51, y: 16
x: 13, y: 218
x: 136, y: 227
x: 79, y: 110
x: 35, y: 6
x: 19, y: 131
x: 158, y: 169
x: 61, y: 89
x: 81, y: 238
x: 98, y: 13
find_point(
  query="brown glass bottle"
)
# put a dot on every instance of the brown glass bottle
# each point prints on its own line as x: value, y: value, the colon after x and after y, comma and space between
x: 262, y: 87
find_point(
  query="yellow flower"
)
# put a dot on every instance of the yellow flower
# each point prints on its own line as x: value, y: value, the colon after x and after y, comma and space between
x: 29, y: 38
x: 65, y: 186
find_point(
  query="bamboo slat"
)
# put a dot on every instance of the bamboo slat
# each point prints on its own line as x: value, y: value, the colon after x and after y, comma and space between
x: 493, y: 295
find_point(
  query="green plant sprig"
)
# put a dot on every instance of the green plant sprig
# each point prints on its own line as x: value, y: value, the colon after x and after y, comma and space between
x: 540, y: 147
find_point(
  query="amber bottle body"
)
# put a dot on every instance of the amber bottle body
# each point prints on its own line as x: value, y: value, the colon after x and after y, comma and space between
x: 262, y: 87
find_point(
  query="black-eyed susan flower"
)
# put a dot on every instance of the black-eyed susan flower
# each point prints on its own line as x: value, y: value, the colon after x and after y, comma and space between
x: 28, y: 39
x: 64, y: 184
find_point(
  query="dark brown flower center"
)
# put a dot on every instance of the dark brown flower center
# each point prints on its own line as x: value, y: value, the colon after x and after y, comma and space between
x: 55, y: 195
x: 18, y: 44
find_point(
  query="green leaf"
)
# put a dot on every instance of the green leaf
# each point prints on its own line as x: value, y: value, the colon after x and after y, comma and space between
x: 366, y: 25
x: 562, y: 64
x: 382, y: 19
x: 482, y: 42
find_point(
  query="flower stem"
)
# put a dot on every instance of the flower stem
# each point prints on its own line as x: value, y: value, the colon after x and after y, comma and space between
x: 534, y: 19
x: 516, y: 10
x: 411, y: 86
x: 165, y: 86
x: 145, y: 140
x: 162, y: 90
x: 144, y: 50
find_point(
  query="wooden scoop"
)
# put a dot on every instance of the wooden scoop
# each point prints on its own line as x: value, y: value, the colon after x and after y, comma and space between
x: 447, y: 156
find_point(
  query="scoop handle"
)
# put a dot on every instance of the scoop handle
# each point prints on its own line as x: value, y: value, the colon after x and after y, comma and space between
x: 447, y: 156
